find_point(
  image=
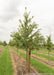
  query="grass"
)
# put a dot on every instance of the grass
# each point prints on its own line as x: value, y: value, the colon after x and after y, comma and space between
x: 6, y: 67
x: 40, y: 67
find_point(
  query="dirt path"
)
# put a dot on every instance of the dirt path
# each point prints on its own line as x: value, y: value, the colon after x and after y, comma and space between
x: 1, y: 50
x: 43, y: 60
x: 19, y: 63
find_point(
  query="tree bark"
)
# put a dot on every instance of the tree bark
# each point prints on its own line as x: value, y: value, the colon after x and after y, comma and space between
x: 26, y: 59
x: 29, y: 55
x: 36, y: 52
x: 29, y: 61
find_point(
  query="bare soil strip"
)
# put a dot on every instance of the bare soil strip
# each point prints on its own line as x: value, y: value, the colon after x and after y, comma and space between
x: 43, y: 60
x: 1, y: 50
x: 19, y: 64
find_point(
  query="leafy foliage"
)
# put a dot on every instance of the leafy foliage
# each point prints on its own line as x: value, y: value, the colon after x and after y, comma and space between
x: 11, y: 43
x: 27, y: 30
x: 49, y: 43
x: 4, y: 43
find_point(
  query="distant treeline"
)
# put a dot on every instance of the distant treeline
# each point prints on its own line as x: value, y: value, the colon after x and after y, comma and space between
x: 4, y: 43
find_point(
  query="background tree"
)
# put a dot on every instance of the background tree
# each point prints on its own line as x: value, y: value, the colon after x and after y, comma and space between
x: 17, y: 39
x: 11, y: 43
x: 0, y: 42
x: 4, y: 43
x: 38, y: 41
x: 49, y: 45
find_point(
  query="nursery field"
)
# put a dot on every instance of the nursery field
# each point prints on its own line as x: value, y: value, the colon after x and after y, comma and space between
x: 13, y: 62
x: 26, y: 37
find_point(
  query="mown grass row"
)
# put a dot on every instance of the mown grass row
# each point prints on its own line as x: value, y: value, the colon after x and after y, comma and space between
x: 40, y: 67
x: 6, y: 67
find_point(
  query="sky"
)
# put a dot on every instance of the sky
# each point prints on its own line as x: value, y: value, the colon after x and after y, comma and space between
x: 12, y: 10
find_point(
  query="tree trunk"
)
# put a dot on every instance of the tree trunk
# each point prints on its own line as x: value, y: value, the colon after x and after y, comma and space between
x: 29, y: 55
x: 36, y: 52
x: 26, y: 59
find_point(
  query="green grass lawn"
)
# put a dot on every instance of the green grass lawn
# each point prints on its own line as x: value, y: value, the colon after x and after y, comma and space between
x: 40, y: 67
x: 6, y: 67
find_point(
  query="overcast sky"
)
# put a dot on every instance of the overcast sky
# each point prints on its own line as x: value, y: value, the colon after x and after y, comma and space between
x: 12, y: 10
